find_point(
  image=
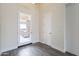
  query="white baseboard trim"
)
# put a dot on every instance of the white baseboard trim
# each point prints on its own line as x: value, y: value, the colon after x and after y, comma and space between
x: 0, y: 53
x: 11, y: 48
x: 71, y: 53
x: 62, y: 50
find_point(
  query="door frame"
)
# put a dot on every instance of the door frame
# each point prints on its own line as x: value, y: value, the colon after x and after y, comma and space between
x: 27, y: 13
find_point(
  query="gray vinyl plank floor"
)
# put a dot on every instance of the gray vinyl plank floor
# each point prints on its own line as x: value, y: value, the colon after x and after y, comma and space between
x: 35, y: 49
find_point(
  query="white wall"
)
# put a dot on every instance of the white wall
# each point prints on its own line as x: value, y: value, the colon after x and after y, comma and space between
x: 69, y: 27
x: 72, y: 28
x: 35, y: 24
x: 52, y: 25
x: 9, y: 24
x: 0, y: 33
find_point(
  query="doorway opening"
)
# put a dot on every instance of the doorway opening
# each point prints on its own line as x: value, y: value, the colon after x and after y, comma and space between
x: 25, y: 29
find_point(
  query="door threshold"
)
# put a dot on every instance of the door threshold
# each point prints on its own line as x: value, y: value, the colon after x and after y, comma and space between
x: 24, y: 45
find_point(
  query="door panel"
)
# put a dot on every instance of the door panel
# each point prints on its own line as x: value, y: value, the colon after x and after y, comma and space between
x: 47, y: 28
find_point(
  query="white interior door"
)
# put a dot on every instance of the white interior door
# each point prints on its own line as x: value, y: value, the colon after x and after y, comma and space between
x: 47, y: 29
